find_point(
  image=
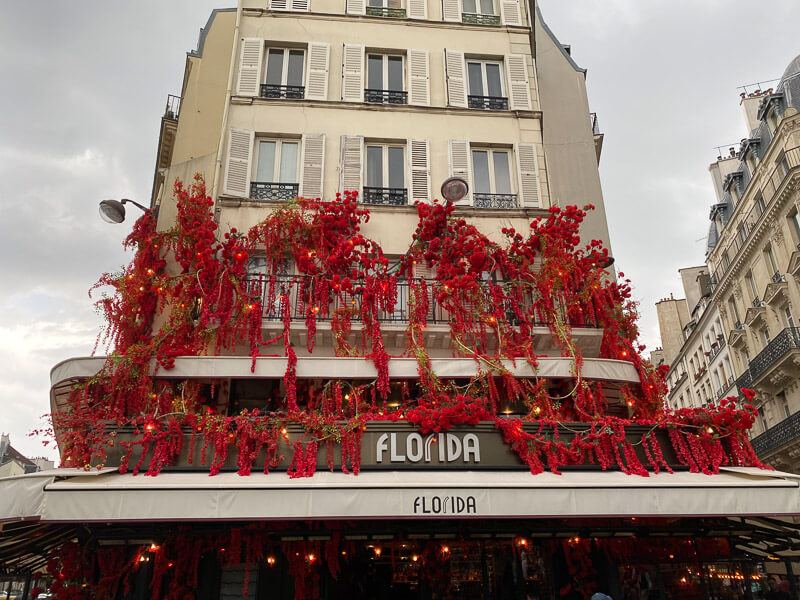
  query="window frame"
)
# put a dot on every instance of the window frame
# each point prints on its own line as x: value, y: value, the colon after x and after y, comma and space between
x: 276, y: 165
x: 479, y: 9
x: 285, y: 65
x: 484, y: 78
x: 384, y: 146
x: 492, y: 182
x: 385, y: 71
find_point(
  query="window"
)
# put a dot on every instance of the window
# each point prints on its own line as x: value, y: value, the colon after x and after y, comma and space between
x: 385, y: 177
x: 789, y: 317
x: 794, y: 219
x: 491, y: 171
x: 734, y: 311
x: 726, y: 260
x: 742, y: 232
x: 751, y: 283
x: 761, y: 205
x: 479, y: 12
x: 385, y: 80
x: 486, y: 88
x: 765, y: 335
x: 769, y: 258
x: 386, y: 8
x: 783, y: 166
x: 276, y: 170
x: 284, y: 76
x: 781, y: 397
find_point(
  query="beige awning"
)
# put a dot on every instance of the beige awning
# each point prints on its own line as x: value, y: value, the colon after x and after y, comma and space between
x: 69, y: 496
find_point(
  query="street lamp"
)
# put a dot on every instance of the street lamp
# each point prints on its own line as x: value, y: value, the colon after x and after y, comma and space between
x: 454, y: 189
x: 113, y: 211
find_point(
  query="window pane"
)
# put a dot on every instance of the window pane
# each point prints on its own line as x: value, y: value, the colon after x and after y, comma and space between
x: 266, y: 161
x: 480, y: 171
x: 493, y: 81
x: 502, y: 173
x: 376, y: 3
x: 275, y: 67
x: 375, y: 72
x: 289, y: 162
x: 396, y: 168
x: 487, y: 7
x: 374, y: 166
x: 396, y: 73
x: 295, y: 75
x: 475, y: 79
x: 469, y: 6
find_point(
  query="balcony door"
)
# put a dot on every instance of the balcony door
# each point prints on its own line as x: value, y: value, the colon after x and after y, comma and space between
x: 284, y: 76
x: 385, y: 177
x: 491, y: 172
x: 276, y: 170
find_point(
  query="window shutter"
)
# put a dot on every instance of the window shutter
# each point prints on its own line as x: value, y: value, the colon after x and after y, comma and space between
x: 317, y: 71
x: 417, y: 9
x: 237, y: 168
x: 419, y: 89
x: 519, y: 91
x: 312, y: 166
x: 419, y: 171
x: 352, y: 73
x: 250, y: 67
x: 279, y: 4
x: 355, y: 7
x: 510, y: 13
x: 451, y: 10
x: 300, y: 5
x: 528, y: 170
x: 456, y: 78
x: 352, y: 163
x: 461, y: 165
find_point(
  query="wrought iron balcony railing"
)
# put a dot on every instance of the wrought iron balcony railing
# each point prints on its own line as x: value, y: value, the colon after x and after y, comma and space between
x: 488, y: 102
x: 291, y: 92
x: 476, y: 19
x: 385, y: 96
x: 299, y: 290
x: 267, y: 190
x: 381, y: 195
x: 775, y: 437
x: 173, y: 107
x: 757, y: 302
x: 716, y: 348
x: 382, y: 11
x: 503, y: 201
x: 785, y: 341
x: 778, y: 278
x: 745, y: 380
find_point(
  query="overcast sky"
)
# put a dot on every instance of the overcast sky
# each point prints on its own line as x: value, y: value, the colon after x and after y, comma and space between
x: 85, y: 85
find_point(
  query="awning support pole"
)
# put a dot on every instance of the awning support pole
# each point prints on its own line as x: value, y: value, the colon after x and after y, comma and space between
x: 27, y: 589
x: 747, y: 570
x: 790, y: 575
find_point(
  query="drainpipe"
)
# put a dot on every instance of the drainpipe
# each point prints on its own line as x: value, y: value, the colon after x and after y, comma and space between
x: 228, y: 95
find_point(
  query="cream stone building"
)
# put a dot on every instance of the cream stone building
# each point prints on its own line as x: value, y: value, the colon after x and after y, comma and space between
x: 754, y: 256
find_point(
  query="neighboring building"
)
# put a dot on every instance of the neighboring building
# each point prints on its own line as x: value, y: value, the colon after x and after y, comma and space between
x: 754, y: 256
x: 12, y: 462
x: 700, y: 371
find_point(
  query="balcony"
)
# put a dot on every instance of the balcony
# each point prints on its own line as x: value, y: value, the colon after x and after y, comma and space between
x: 290, y: 92
x: 488, y: 102
x: 716, y: 348
x: 267, y: 190
x: 389, y: 13
x: 476, y: 19
x: 778, y: 359
x: 385, y: 96
x: 385, y: 196
x: 499, y: 201
x: 745, y: 380
x: 775, y: 437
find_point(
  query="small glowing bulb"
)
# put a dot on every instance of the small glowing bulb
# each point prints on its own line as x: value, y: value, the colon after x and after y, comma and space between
x: 710, y: 430
x: 415, y: 558
x: 311, y: 558
x: 270, y: 560
x: 284, y: 431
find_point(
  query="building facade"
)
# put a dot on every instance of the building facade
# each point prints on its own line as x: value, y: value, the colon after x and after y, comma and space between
x: 754, y: 258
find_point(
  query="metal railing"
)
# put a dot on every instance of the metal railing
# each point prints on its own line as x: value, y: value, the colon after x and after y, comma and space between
x: 758, y: 302
x: 300, y: 290
x: 778, y: 278
x: 476, y: 19
x: 750, y: 221
x: 503, y: 201
x: 381, y: 195
x: 488, y: 102
x: 382, y: 11
x: 267, y: 190
x: 385, y: 96
x: 173, y: 108
x: 786, y: 340
x: 745, y: 380
x: 290, y: 92
x: 778, y: 435
x: 716, y: 348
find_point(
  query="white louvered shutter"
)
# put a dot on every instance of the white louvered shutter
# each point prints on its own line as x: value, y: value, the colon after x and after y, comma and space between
x: 519, y: 90
x: 317, y: 71
x: 237, y: 167
x: 352, y: 163
x: 250, y: 67
x: 528, y: 170
x: 456, y: 78
x: 279, y: 4
x: 461, y: 165
x: 451, y: 10
x: 419, y: 170
x: 419, y: 88
x: 353, y: 73
x: 510, y: 13
x: 418, y: 9
x: 312, y: 166
x: 300, y: 5
x: 355, y: 7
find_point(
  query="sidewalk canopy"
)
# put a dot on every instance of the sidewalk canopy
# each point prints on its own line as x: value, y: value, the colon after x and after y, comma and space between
x: 74, y: 496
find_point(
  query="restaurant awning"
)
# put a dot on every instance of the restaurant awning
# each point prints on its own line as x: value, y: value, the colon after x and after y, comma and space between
x: 74, y: 496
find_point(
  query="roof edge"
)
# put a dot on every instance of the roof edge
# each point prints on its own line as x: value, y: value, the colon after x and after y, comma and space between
x: 558, y: 44
x: 201, y: 40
